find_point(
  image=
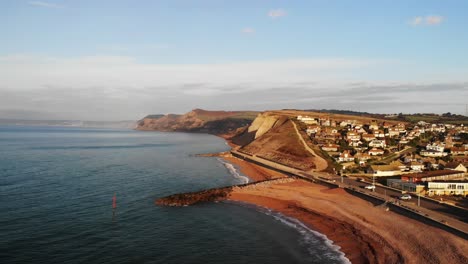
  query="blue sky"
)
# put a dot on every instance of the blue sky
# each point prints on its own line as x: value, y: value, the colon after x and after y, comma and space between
x: 107, y: 55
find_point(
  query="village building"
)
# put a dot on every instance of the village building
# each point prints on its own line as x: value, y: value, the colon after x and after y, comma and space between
x: 457, y: 166
x: 379, y: 134
x: 447, y: 188
x: 374, y: 125
x: 393, y: 132
x: 436, y: 147
x: 433, y: 153
x: 427, y: 176
x: 368, y: 137
x: 376, y: 152
x: 353, y: 136
x: 459, y: 151
x: 398, y: 164
x: 377, y: 143
x: 417, y: 166
x: 405, y: 186
x: 345, y: 157
x: 307, y: 120
x: 384, y: 170
x: 313, y: 129
x: 330, y: 147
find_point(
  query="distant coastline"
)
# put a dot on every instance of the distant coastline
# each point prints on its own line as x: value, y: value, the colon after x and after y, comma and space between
x: 70, y: 123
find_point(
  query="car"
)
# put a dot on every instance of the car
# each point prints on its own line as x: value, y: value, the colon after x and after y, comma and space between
x: 370, y: 187
x: 405, y: 197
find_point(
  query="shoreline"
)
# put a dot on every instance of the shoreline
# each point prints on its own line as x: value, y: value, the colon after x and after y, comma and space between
x: 353, y: 231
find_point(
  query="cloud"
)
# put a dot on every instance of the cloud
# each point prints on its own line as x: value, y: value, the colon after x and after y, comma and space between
x: 45, y: 4
x: 248, y: 30
x: 417, y: 21
x: 427, y: 20
x: 277, y: 13
x: 120, y: 87
x: 434, y: 20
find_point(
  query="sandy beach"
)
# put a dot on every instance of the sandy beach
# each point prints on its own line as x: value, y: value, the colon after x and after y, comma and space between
x: 365, y: 233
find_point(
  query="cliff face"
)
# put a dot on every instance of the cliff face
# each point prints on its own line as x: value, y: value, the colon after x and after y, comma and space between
x: 273, y: 136
x: 198, y: 120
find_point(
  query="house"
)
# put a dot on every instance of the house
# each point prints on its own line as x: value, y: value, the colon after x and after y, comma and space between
x: 428, y: 176
x: 417, y: 166
x: 330, y: 147
x: 433, y: 153
x: 354, y: 136
x: 307, y: 120
x: 447, y: 188
x: 354, y: 143
x: 398, y: 164
x: 374, y: 125
x: 377, y: 143
x: 313, y: 129
x: 384, y: 170
x: 457, y: 166
x: 345, y: 157
x: 362, y: 156
x: 368, y: 137
x: 459, y: 151
x: 325, y: 122
x: 403, y: 141
x: 436, y: 147
x: 393, y: 132
x: 376, y: 152
x: 379, y: 133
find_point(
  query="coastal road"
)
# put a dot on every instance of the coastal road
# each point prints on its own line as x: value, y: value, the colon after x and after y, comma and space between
x: 437, y: 212
x: 392, y: 194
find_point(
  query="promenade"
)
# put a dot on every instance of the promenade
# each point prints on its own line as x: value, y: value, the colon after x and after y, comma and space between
x: 423, y: 214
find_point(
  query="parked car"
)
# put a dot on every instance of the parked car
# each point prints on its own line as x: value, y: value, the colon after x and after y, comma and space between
x: 405, y: 197
x: 370, y: 187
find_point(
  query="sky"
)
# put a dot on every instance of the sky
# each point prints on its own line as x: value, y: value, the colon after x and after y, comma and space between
x: 122, y: 60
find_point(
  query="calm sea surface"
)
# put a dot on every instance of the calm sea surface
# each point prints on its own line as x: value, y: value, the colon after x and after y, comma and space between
x: 56, y: 188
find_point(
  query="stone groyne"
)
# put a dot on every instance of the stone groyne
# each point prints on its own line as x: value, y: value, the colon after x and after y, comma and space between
x: 212, y: 195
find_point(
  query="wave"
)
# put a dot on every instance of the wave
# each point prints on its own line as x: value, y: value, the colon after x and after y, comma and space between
x: 234, y: 172
x: 311, y: 238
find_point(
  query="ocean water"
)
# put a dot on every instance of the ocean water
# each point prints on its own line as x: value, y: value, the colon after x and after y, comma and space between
x: 56, y: 188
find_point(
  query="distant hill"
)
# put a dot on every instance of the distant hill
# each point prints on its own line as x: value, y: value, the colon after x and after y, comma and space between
x: 199, y: 120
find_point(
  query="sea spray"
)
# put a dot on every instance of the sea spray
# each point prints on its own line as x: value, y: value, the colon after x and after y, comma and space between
x: 310, y: 238
x: 234, y: 172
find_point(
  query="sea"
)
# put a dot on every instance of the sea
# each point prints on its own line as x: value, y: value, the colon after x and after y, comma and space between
x: 57, y: 185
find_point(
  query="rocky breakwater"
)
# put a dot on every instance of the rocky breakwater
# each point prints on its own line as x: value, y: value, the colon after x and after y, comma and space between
x: 212, y: 195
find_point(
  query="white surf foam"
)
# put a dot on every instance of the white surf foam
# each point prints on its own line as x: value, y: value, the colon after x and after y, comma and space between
x: 234, y: 172
x: 310, y: 237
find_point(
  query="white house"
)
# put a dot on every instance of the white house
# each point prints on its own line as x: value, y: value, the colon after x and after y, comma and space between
x: 376, y: 152
x: 377, y: 143
x: 436, y: 147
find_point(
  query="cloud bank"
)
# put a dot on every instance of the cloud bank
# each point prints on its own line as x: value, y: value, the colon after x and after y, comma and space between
x: 118, y: 88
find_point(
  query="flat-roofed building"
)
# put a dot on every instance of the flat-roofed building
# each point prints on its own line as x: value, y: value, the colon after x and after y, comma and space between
x: 447, y: 188
x: 427, y: 176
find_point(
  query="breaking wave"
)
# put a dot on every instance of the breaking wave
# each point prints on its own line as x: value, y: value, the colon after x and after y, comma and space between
x: 313, y: 240
x: 234, y: 172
